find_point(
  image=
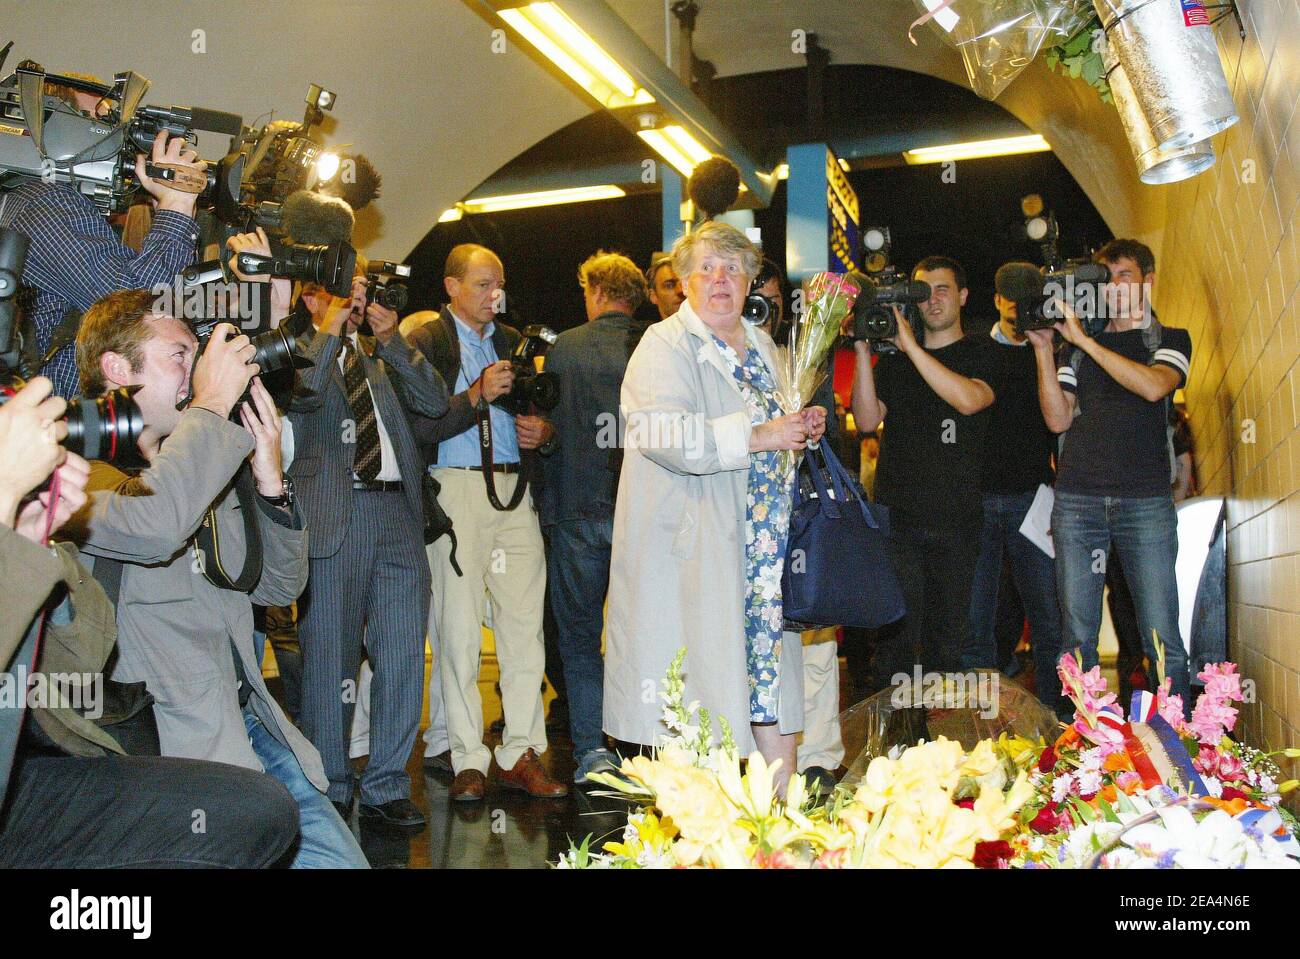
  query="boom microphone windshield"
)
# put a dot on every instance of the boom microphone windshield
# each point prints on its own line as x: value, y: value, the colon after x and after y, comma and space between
x: 714, y: 186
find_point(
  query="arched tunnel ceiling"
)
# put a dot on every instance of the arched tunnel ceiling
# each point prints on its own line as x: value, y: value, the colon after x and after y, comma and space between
x: 422, y: 92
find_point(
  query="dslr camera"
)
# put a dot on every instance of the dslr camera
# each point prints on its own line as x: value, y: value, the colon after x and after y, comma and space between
x: 531, y: 390
x: 105, y: 428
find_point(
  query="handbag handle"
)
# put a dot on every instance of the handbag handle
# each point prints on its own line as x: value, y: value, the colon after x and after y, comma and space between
x: 843, y: 485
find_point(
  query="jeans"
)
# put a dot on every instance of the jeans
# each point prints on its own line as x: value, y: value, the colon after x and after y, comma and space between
x: 935, y: 567
x: 325, y: 841
x: 143, y: 812
x: 1035, y: 578
x: 579, y: 579
x: 1144, y: 531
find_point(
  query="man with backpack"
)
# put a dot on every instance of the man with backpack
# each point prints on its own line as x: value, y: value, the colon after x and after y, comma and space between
x: 1111, y: 393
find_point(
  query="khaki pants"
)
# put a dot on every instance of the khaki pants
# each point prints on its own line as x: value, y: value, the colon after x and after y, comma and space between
x: 821, y: 744
x: 504, y: 563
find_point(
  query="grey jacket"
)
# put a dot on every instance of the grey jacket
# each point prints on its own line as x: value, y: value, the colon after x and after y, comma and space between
x: 404, y: 387
x: 175, y: 629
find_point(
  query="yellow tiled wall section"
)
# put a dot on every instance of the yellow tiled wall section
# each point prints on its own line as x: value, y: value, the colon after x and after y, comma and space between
x: 1227, y: 269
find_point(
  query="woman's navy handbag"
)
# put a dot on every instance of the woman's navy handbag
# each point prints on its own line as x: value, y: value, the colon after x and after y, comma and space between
x: 837, y: 570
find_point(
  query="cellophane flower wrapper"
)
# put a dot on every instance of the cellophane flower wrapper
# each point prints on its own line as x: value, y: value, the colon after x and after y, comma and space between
x: 999, y: 38
x: 827, y: 300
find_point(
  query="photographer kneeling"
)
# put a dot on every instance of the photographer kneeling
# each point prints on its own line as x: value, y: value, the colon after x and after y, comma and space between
x: 1109, y: 394
x: 70, y: 799
x: 201, y: 535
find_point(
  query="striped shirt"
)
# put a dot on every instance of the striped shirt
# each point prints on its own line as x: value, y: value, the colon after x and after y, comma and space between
x: 1118, y: 445
x: 74, y: 258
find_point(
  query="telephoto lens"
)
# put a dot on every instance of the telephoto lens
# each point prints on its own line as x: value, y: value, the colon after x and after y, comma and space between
x: 106, y: 427
x: 103, y: 428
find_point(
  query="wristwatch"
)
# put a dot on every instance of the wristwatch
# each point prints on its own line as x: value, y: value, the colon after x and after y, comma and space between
x: 285, y: 499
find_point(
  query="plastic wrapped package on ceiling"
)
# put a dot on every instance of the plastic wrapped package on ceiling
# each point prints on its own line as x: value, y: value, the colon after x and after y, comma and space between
x: 999, y: 38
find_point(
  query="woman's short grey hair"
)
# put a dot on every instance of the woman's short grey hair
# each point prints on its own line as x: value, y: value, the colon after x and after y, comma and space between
x: 717, y: 237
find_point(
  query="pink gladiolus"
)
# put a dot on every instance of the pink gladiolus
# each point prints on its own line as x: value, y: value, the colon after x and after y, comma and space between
x: 1170, y: 707
x: 1107, y: 738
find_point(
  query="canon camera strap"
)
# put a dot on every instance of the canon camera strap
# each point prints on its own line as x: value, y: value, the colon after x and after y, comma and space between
x: 483, y: 414
x: 209, y: 542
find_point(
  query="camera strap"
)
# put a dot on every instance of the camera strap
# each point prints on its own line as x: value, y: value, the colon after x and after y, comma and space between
x: 208, y: 540
x: 482, y: 413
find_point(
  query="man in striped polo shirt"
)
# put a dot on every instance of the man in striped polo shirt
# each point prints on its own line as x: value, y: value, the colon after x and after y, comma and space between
x: 1109, y: 395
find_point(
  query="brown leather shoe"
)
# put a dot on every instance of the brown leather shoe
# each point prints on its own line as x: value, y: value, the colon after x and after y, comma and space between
x: 529, y: 776
x: 468, y: 785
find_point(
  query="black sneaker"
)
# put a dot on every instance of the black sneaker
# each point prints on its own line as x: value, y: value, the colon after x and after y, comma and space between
x: 398, y: 812
x: 820, y: 780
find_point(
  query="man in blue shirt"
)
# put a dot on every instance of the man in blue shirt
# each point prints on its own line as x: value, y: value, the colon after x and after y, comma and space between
x: 74, y: 257
x: 499, y: 551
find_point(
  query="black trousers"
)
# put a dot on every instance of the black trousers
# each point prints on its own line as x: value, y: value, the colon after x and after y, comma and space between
x: 935, y: 566
x: 115, y: 812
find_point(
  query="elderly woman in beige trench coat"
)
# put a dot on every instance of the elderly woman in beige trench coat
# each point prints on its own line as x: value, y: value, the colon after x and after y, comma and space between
x: 678, y: 569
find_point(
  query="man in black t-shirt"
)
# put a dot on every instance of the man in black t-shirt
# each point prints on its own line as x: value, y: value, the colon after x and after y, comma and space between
x: 1017, y: 460
x: 933, y: 398
x: 1113, y: 481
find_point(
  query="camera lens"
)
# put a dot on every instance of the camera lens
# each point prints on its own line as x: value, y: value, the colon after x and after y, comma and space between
x: 272, y: 351
x: 543, y: 391
x: 879, y: 323
x: 393, y: 297
x: 106, y: 428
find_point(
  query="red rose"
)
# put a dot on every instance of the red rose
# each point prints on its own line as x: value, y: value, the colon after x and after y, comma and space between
x: 991, y: 855
x: 1229, y: 794
x: 966, y: 803
x: 1047, y: 761
x: 1046, y: 821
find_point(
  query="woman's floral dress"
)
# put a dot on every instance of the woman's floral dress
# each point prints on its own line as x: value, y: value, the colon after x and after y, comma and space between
x: 767, y: 524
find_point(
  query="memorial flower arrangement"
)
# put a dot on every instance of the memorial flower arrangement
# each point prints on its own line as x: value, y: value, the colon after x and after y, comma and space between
x: 1098, y: 796
x: 1203, y: 799
x: 932, y: 805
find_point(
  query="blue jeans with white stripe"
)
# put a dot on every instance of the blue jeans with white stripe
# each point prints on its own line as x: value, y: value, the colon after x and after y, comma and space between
x: 1144, y: 531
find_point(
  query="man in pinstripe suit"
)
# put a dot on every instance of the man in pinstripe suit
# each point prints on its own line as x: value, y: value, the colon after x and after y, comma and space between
x: 357, y: 473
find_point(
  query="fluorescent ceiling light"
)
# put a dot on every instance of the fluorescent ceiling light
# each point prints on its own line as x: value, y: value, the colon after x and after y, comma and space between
x: 1004, y: 146
x: 782, y: 171
x: 522, y: 201
x: 568, y: 46
x: 946, y: 17
x: 676, y: 145
x: 451, y: 215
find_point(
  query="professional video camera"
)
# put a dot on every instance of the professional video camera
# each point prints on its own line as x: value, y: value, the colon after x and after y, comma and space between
x: 531, y: 390
x: 54, y: 142
x: 884, y: 286
x: 105, y: 428
x: 1076, y: 281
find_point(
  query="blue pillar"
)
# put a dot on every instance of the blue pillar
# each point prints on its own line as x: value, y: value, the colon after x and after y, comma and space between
x: 672, y: 205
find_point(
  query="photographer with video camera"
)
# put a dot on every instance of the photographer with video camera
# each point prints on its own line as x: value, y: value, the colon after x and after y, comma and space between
x: 358, y: 472
x: 192, y: 541
x: 499, y: 547
x: 1017, y: 461
x: 1109, y: 392
x: 932, y: 395
x: 69, y: 798
x: 74, y: 257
